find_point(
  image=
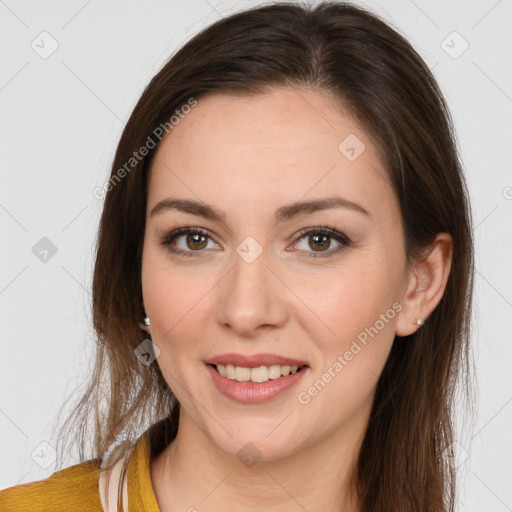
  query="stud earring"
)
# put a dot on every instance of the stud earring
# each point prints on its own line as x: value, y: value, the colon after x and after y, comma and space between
x: 146, y: 320
x: 419, y: 321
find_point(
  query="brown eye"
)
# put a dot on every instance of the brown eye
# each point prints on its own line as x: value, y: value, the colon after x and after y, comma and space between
x: 195, y: 241
x: 186, y: 241
x: 320, y: 241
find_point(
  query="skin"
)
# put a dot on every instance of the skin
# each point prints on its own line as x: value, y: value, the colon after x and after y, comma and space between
x: 247, y: 157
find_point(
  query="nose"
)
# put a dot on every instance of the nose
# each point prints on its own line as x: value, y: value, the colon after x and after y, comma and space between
x: 252, y: 297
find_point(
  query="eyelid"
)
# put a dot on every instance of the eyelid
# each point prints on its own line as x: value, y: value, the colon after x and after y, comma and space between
x: 325, y: 230
x: 340, y: 237
x: 168, y: 238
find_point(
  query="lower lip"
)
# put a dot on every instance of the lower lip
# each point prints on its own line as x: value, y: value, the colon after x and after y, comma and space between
x: 251, y: 392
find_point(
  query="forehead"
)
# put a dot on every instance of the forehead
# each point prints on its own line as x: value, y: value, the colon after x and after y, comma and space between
x: 275, y: 147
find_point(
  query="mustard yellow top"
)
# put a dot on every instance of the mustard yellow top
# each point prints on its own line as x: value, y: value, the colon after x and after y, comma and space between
x: 75, y: 489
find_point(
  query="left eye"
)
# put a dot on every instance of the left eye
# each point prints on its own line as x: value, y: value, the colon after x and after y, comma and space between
x: 321, y: 238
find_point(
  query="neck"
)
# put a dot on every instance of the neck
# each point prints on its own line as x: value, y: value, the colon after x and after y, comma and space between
x: 192, y: 473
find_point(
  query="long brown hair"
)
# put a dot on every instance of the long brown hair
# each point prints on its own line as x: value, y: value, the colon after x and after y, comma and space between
x: 355, y: 56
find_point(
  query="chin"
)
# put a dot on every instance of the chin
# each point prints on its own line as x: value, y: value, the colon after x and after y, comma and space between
x: 255, y: 445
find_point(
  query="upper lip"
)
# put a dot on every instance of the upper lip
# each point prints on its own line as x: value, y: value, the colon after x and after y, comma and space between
x: 254, y: 360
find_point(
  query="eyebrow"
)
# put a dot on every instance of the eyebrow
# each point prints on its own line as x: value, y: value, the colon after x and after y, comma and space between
x: 282, y: 214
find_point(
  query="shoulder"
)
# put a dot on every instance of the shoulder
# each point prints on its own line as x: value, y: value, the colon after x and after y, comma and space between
x: 71, y: 489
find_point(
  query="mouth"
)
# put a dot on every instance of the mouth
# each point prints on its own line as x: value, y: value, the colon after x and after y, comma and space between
x: 255, y: 385
x: 258, y: 374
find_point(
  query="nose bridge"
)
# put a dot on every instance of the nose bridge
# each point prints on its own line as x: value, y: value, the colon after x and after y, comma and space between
x: 251, y: 293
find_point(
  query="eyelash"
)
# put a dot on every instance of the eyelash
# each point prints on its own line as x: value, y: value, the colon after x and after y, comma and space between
x: 167, y: 239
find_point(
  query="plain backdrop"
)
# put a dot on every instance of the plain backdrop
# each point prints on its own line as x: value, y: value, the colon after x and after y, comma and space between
x: 70, y: 74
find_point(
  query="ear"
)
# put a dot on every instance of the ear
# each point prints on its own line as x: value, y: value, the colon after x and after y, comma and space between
x: 144, y: 327
x: 426, y: 284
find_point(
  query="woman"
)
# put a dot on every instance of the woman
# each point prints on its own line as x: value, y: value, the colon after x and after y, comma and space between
x: 283, y: 282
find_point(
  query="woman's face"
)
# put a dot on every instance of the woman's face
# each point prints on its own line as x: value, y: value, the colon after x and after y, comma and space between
x: 253, y: 284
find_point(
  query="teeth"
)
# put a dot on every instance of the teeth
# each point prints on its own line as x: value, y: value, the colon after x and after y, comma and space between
x: 259, y: 374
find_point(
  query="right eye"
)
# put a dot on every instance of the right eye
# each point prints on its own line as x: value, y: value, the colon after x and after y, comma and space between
x: 193, y: 241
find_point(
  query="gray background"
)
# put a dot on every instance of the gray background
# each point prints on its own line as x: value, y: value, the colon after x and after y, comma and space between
x: 61, y: 118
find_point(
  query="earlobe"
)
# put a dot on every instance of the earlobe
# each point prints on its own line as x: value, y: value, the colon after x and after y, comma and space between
x: 145, y: 323
x: 426, y: 286
x: 412, y: 316
x: 145, y: 327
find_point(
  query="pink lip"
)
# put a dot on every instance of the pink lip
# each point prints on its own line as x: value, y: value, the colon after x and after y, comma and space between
x: 248, y: 361
x: 253, y: 392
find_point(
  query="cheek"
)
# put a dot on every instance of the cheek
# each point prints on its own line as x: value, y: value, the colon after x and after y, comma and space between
x: 177, y: 329
x: 342, y: 302
x: 353, y: 325
x: 177, y: 302
x: 353, y: 341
